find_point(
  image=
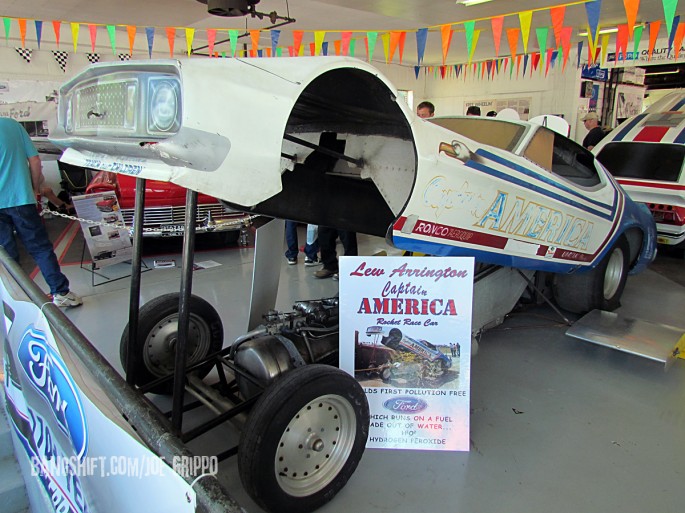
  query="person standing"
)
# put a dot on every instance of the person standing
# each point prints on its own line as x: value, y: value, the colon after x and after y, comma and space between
x: 473, y: 110
x: 21, y: 179
x: 311, y: 247
x: 329, y: 257
x: 595, y: 132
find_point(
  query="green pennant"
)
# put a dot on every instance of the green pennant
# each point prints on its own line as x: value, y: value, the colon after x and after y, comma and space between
x: 637, y: 35
x: 223, y: 55
x: 468, y: 29
x: 541, y: 34
x: 279, y: 51
x: 112, y: 38
x: 233, y: 36
x: 371, y: 38
x: 353, y: 43
x: 8, y: 24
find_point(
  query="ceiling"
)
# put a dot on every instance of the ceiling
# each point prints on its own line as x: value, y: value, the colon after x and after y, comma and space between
x: 330, y: 16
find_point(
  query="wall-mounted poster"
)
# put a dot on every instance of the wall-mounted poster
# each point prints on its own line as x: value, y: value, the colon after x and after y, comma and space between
x: 405, y: 335
x: 107, y: 239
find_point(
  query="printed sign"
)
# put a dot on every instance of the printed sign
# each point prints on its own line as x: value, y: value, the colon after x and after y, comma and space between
x: 405, y: 335
x: 107, y: 244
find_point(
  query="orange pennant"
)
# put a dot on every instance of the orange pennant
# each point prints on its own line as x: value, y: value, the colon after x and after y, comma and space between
x: 297, y: 40
x: 631, y: 6
x: 557, y: 14
x: 93, y: 29
x: 171, y: 37
x: 337, y: 46
x: 22, y: 31
x: 497, y: 23
x: 678, y: 39
x: 654, y: 27
x: 56, y: 26
x: 513, y: 37
x: 394, y: 41
x: 254, y: 37
x: 131, y: 30
x: 446, y: 32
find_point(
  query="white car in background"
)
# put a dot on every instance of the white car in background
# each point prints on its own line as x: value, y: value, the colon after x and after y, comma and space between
x: 646, y: 155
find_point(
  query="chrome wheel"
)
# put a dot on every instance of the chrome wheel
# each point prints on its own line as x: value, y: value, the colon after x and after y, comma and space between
x: 613, y: 276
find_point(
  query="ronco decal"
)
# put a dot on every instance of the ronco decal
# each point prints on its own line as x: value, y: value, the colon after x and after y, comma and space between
x: 405, y: 404
x: 48, y: 375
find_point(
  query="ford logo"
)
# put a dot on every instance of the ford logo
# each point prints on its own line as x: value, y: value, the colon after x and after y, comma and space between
x: 405, y: 404
x: 49, y: 376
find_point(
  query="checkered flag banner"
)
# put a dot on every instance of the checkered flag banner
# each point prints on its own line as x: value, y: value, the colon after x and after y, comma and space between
x: 25, y: 53
x: 124, y: 57
x: 93, y: 57
x: 61, y: 59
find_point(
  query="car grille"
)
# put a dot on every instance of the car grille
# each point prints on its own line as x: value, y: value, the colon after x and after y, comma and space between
x: 157, y: 216
x: 103, y: 105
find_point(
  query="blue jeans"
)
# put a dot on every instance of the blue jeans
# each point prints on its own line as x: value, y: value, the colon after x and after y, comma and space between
x: 29, y: 227
x: 310, y: 250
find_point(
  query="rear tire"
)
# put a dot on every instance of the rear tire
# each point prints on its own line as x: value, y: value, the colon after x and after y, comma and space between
x: 600, y: 288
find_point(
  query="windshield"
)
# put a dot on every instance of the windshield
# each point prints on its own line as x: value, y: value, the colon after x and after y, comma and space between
x: 492, y: 132
x: 649, y: 161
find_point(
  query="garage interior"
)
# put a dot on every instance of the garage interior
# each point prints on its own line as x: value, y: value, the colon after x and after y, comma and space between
x: 557, y: 423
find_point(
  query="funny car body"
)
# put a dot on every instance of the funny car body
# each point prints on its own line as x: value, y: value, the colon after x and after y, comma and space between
x: 646, y: 155
x: 327, y: 140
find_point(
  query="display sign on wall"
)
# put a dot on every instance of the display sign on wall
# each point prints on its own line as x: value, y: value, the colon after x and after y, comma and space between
x: 520, y: 105
x: 405, y: 335
x: 106, y: 243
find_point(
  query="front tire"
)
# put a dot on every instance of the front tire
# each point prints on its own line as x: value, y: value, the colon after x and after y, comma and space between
x: 303, y: 439
x: 599, y: 288
x: 158, y: 330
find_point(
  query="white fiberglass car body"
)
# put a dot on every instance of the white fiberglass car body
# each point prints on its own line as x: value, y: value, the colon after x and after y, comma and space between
x: 327, y: 140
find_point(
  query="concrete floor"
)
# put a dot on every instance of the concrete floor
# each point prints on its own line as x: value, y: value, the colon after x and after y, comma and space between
x: 557, y: 425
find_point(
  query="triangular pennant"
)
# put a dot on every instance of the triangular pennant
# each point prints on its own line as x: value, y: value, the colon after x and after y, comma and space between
x: 394, y: 41
x: 131, y: 32
x: 548, y: 60
x: 513, y: 38
x: 111, y: 32
x: 353, y: 44
x: 25, y: 53
x: 337, y: 45
x: 61, y: 59
x: 403, y: 38
x: 605, y: 47
x: 385, y: 39
x: 93, y: 57
x: 497, y: 23
x: 593, y: 9
x: 654, y: 27
x: 124, y: 56
x: 421, y: 37
x: 324, y: 48
x: 566, y: 34
x: 8, y: 24
x: 525, y: 18
x: 631, y: 6
x: 93, y: 31
x: 678, y: 39
x: 297, y: 40
x: 56, y: 26
x: 150, y: 35
x: 275, y: 36
x: 535, y: 61
x: 171, y: 38
x: 416, y: 71
x: 469, y: 28
x: 22, y: 31
x: 622, y: 41
x: 518, y: 65
x: 476, y: 35
x: 671, y: 37
x: 345, y: 40
x: 254, y: 39
x: 319, y: 36
x: 371, y: 38
x: 74, y: 34
x: 190, y: 35
x: 233, y: 40
x: 557, y: 14
x: 312, y: 48
x: 279, y: 52
x: 669, y: 14
x: 541, y: 33
x: 446, y: 35
x: 39, y: 31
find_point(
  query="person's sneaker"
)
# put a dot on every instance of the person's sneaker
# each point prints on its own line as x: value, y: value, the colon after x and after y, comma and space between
x: 68, y: 299
x: 292, y: 261
x: 324, y: 273
x: 308, y: 262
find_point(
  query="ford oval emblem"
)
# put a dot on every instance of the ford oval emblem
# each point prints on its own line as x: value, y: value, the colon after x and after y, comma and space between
x: 405, y: 404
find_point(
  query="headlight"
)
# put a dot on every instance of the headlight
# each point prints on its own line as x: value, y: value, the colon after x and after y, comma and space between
x: 164, y: 109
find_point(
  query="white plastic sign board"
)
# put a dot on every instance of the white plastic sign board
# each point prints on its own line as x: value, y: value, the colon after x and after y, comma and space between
x: 405, y: 335
x: 106, y: 243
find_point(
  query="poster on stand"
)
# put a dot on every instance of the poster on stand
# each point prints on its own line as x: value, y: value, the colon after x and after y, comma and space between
x: 107, y: 238
x: 405, y: 335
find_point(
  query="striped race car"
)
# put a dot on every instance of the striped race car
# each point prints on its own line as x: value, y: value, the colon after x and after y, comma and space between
x: 329, y: 141
x: 646, y: 155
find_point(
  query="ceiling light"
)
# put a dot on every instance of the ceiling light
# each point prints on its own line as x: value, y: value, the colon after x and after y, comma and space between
x: 229, y: 7
x: 602, y: 31
x: 468, y: 3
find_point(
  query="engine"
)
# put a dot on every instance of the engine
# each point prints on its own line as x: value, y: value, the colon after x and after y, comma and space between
x: 286, y: 340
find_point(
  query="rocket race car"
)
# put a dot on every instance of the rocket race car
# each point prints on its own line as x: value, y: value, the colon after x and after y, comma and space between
x: 327, y: 140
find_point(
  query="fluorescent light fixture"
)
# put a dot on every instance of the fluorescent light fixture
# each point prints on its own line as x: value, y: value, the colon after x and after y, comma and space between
x: 653, y: 73
x: 468, y: 3
x: 602, y: 31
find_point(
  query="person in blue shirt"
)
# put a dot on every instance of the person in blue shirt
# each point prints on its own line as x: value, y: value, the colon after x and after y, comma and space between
x: 21, y: 179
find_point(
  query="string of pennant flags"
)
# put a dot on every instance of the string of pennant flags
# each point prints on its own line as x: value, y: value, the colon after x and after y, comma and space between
x: 393, y: 42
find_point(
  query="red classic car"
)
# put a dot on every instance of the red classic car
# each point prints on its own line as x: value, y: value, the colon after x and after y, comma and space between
x: 165, y: 208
